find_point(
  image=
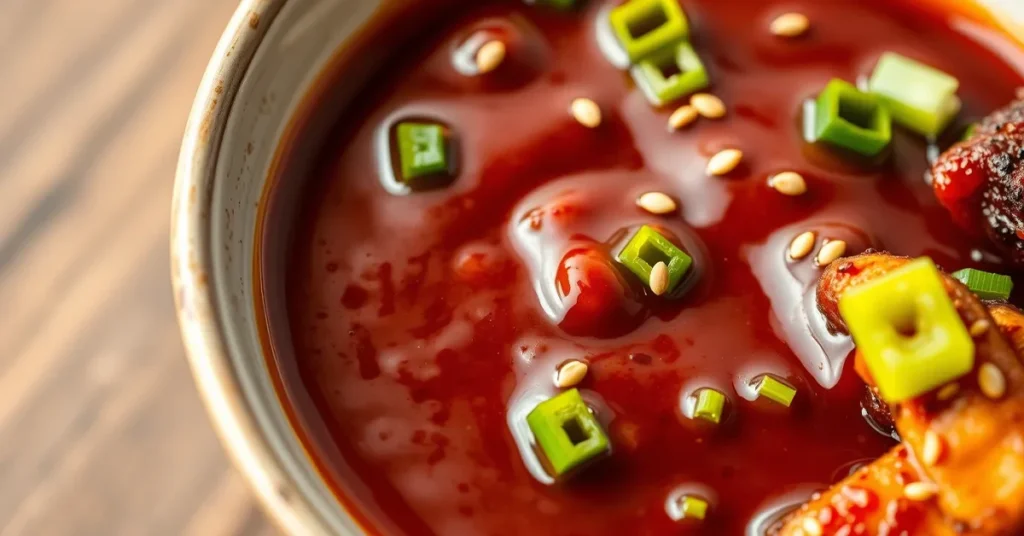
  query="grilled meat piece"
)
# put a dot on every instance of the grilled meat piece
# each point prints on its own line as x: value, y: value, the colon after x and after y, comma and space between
x: 870, y: 501
x: 981, y: 181
x: 979, y: 473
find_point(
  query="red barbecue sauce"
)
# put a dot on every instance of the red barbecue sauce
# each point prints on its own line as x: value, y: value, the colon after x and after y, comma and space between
x: 422, y: 325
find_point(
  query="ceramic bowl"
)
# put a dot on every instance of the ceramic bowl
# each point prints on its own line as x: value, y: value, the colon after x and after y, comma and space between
x: 267, y: 66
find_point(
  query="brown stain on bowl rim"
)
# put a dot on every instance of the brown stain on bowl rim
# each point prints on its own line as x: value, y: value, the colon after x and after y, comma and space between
x: 209, y: 115
x: 254, y: 20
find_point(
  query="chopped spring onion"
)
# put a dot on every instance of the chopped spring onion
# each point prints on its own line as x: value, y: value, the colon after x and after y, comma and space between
x: 986, y: 285
x: 908, y: 330
x: 649, y: 247
x: 422, y: 151
x: 670, y: 74
x: 775, y: 390
x: 969, y: 132
x: 647, y: 26
x: 567, y: 433
x: 565, y: 5
x: 710, y: 404
x: 692, y: 507
x: 918, y: 96
x: 851, y: 119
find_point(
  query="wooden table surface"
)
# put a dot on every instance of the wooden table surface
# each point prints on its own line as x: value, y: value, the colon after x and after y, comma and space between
x: 101, y: 429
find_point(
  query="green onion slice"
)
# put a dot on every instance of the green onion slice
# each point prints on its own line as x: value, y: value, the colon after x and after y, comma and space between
x: 644, y: 27
x: 646, y: 248
x: 775, y: 390
x: 849, y: 118
x: 710, y: 405
x: 567, y: 433
x: 918, y: 96
x: 564, y: 5
x: 692, y: 507
x: 908, y: 330
x: 422, y: 151
x: 969, y: 132
x: 670, y: 74
x: 987, y: 285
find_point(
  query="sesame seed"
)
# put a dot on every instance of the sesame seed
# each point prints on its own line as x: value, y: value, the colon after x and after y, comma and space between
x: 932, y: 448
x: 790, y: 25
x: 948, y: 391
x: 683, y: 116
x: 724, y: 162
x: 991, y: 381
x: 708, y: 105
x: 812, y: 527
x: 788, y: 183
x: 586, y: 112
x: 659, y: 278
x: 920, y: 491
x: 489, y: 56
x: 979, y: 327
x: 656, y: 203
x: 570, y: 374
x: 802, y: 245
x: 830, y: 251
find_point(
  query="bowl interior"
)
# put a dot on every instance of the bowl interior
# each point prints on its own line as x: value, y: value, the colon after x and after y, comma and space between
x: 252, y: 122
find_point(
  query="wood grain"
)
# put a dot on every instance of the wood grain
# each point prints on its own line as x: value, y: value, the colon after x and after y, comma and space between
x: 101, y: 430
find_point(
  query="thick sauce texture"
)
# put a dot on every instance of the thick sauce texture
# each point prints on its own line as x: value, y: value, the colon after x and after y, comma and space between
x: 425, y: 326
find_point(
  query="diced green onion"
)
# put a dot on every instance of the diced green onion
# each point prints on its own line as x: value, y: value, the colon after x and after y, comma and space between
x: 969, y: 132
x: 709, y: 406
x: 644, y: 27
x: 686, y: 74
x: 918, y: 96
x: 564, y: 5
x: 692, y: 507
x: 567, y: 433
x: 422, y: 151
x: 851, y: 119
x: 775, y: 390
x: 908, y: 330
x: 646, y: 248
x: 986, y: 285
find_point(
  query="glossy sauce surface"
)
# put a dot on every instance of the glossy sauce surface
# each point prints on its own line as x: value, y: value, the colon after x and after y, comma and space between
x: 425, y: 326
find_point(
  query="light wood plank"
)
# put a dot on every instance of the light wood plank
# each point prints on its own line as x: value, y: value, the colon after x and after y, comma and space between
x: 101, y: 430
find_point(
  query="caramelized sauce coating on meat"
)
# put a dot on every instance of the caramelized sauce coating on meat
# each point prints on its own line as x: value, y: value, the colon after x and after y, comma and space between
x: 979, y: 473
x: 1011, y: 324
x: 878, y: 413
x: 870, y: 501
x: 981, y: 181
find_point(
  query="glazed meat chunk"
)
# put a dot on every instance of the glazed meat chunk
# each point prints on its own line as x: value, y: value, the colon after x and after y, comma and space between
x: 964, y: 446
x: 981, y: 181
x: 870, y: 501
